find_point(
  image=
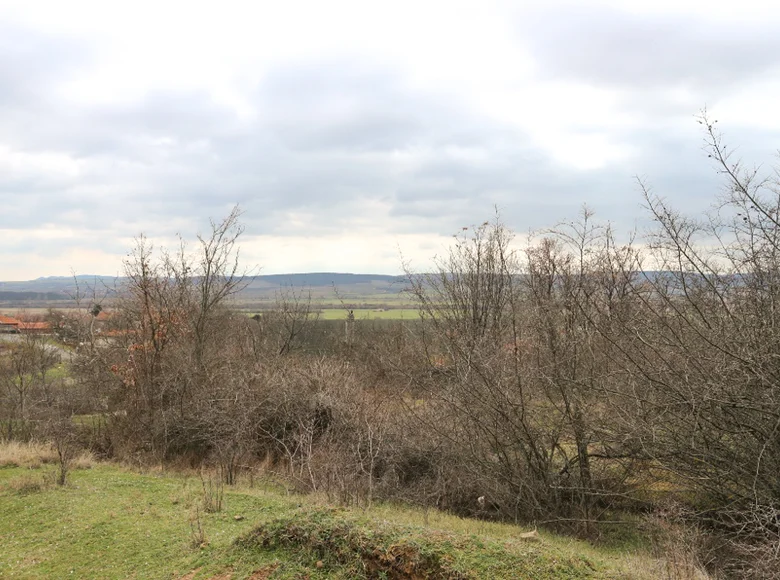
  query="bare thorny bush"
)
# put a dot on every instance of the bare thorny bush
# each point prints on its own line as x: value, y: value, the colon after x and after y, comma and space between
x: 520, y: 371
x: 164, y: 360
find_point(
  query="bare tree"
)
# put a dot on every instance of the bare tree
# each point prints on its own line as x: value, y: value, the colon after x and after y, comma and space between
x: 24, y: 369
x: 165, y: 356
x: 277, y: 332
x: 218, y: 273
x: 520, y: 348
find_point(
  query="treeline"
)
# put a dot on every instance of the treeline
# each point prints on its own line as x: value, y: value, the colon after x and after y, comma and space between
x: 9, y: 296
x: 559, y: 383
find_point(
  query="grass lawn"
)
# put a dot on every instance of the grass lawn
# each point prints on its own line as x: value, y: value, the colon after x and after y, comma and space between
x: 109, y: 522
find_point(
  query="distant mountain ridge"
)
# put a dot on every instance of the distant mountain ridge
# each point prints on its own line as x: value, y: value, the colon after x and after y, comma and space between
x: 48, y: 290
x: 325, y: 278
x: 65, y: 287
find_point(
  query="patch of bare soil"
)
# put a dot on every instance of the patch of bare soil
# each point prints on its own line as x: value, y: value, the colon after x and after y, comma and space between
x: 191, y: 575
x: 264, y: 573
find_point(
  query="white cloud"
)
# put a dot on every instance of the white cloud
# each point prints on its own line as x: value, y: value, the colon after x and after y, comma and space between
x: 39, y: 164
x: 377, y: 253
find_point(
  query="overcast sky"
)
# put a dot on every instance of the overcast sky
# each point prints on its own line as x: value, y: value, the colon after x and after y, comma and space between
x: 352, y: 131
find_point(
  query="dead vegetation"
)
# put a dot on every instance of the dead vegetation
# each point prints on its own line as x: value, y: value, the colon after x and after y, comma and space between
x: 34, y: 454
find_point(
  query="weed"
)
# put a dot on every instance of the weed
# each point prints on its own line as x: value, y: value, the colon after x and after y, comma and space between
x: 83, y: 460
x: 677, y: 544
x: 197, y: 534
x: 213, y: 493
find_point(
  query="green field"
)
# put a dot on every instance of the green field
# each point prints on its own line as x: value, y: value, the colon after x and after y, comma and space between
x: 371, y: 314
x: 364, y: 307
x: 109, y: 522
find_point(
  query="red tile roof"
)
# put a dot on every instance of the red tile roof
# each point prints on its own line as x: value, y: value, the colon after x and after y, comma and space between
x: 115, y: 333
x: 8, y: 320
x: 34, y: 326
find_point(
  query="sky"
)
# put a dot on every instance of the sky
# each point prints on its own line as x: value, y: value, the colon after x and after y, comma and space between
x: 353, y: 133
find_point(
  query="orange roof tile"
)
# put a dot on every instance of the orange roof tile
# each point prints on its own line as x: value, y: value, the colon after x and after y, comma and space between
x: 34, y: 326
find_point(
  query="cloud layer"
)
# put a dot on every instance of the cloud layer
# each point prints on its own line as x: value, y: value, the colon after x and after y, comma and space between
x: 349, y: 133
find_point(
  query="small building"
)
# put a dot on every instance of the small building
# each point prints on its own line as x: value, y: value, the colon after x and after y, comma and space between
x: 9, y: 325
x: 35, y: 327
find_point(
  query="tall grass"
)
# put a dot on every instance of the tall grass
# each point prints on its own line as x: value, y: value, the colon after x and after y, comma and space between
x: 34, y: 454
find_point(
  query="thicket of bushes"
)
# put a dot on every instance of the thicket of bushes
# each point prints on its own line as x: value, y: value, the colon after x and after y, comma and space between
x: 564, y: 383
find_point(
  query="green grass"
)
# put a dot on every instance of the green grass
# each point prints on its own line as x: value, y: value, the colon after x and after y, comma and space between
x: 58, y: 372
x: 54, y: 375
x: 371, y: 314
x: 347, y: 544
x: 109, y: 522
x: 377, y: 300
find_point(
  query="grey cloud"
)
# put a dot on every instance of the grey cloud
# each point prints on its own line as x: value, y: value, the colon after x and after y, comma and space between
x: 133, y: 131
x: 604, y: 46
x: 350, y: 106
x: 57, y: 248
x: 325, y: 140
x: 32, y: 64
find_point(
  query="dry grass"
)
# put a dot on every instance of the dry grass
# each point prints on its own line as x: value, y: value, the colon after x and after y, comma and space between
x: 666, y: 567
x: 34, y: 454
x: 84, y: 460
x: 31, y: 483
x: 31, y: 455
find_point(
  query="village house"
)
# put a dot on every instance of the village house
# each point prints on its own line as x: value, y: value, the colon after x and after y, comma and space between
x: 8, y: 325
x: 34, y: 327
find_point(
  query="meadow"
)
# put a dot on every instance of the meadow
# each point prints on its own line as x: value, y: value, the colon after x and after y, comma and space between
x: 111, y: 521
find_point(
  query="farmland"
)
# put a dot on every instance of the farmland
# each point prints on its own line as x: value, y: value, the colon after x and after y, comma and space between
x: 330, y: 295
x: 378, y: 313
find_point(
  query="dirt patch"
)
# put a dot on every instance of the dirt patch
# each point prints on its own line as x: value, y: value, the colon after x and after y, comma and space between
x: 227, y: 575
x: 263, y: 573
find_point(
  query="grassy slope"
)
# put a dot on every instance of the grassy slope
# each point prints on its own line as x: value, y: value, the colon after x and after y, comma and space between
x: 111, y: 523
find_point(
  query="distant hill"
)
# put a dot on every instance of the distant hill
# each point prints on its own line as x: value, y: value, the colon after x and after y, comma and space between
x: 27, y: 296
x: 65, y: 285
x: 58, y: 288
x: 325, y: 284
x: 317, y: 279
x: 259, y: 291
